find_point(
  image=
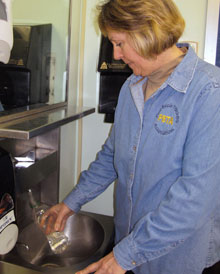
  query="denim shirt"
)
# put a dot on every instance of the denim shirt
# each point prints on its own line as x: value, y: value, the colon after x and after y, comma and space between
x: 165, y: 155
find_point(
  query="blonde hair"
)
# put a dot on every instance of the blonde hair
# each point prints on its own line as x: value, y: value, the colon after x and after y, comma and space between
x: 152, y: 25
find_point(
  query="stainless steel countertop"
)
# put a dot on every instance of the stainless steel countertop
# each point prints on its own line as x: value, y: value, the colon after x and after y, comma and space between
x: 35, y: 124
x: 6, y: 268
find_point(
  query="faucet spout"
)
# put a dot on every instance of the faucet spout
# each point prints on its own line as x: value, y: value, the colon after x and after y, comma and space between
x: 24, y: 245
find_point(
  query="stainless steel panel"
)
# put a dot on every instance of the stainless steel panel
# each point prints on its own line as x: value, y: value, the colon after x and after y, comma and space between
x: 28, y: 177
x: 7, y: 268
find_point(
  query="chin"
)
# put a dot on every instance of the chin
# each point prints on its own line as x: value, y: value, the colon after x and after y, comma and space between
x: 137, y: 72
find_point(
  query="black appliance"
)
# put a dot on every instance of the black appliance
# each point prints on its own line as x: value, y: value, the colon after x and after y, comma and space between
x: 14, y: 86
x: 113, y: 74
x: 26, y: 76
x: 8, y: 226
x: 7, y: 181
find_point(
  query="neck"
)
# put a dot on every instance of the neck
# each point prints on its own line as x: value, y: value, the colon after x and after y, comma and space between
x: 168, y: 63
x: 162, y: 59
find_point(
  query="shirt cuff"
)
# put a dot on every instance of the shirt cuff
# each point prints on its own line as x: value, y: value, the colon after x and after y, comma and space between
x: 126, y: 255
x: 73, y: 200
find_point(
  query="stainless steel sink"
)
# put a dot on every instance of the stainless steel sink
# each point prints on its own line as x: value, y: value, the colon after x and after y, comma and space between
x: 85, y: 236
x: 90, y: 236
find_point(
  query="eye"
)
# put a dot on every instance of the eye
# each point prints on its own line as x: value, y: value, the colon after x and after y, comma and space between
x: 118, y: 44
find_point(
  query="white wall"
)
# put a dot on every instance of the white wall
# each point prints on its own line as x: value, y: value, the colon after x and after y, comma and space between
x: 95, y: 130
x: 194, y: 13
x: 68, y: 146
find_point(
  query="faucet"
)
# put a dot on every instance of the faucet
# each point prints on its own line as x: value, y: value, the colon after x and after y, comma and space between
x: 24, y: 245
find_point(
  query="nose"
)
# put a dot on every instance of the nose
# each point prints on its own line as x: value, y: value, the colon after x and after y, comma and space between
x: 117, y: 53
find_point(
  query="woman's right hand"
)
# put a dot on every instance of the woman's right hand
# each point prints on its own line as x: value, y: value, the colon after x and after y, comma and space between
x: 54, y: 219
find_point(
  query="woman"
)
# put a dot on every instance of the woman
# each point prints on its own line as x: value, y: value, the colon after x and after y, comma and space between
x: 164, y: 148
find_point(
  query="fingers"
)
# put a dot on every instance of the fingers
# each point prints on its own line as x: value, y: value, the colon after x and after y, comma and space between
x: 48, y: 219
x: 62, y: 217
x: 43, y: 220
x: 54, y: 219
x: 50, y: 224
x: 60, y: 223
x: 47, y: 223
x: 107, y: 265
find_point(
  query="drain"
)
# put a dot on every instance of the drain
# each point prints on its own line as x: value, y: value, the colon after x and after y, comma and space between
x: 50, y: 265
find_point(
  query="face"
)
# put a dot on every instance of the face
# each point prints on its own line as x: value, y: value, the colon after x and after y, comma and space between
x: 124, y: 51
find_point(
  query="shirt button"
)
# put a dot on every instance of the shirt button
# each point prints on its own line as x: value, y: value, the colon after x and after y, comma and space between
x: 131, y: 176
x: 134, y: 148
x: 133, y: 263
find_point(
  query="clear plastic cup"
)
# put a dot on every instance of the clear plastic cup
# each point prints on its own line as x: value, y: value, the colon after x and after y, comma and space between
x: 58, y: 242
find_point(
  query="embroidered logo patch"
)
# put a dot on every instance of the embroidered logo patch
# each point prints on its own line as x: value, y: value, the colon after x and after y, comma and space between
x: 167, y: 119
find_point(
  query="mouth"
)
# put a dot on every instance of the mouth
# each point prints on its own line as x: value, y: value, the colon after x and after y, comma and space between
x: 130, y: 64
x: 127, y: 63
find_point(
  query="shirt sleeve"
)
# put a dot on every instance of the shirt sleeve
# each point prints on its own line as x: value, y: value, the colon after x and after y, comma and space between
x: 96, y: 179
x: 192, y: 197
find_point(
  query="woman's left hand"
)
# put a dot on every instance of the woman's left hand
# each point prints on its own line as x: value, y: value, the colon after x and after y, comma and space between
x: 107, y: 265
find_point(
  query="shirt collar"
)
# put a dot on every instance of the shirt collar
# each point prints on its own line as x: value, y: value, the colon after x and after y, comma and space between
x: 183, y: 74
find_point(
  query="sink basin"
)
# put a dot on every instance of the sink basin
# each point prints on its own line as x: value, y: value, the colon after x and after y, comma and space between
x: 85, y: 234
x: 90, y: 235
